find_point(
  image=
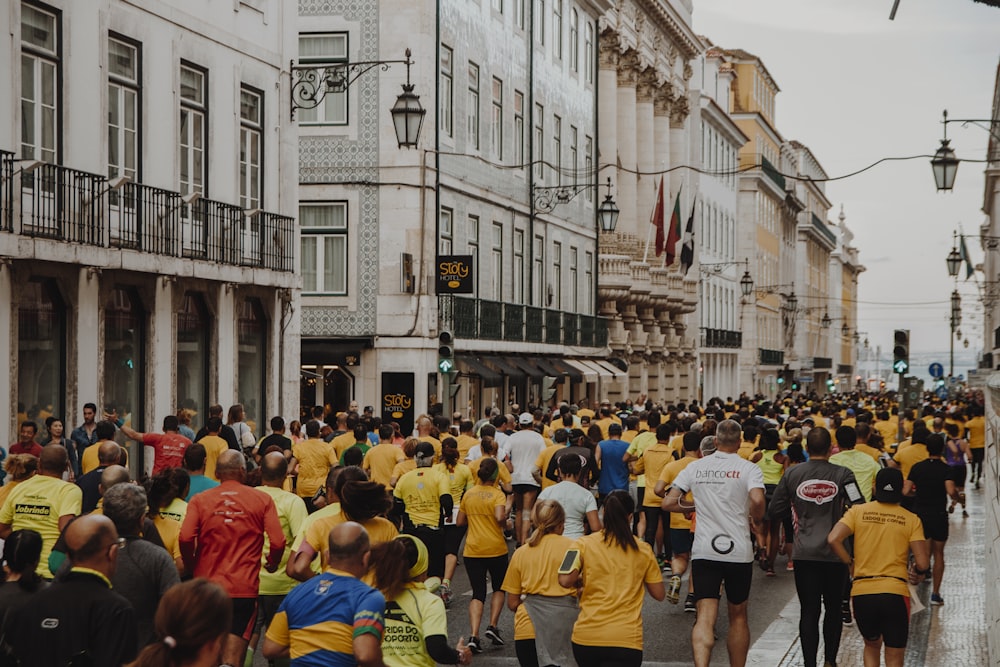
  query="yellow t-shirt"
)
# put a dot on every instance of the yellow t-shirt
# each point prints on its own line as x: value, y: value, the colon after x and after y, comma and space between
x: 410, y: 618
x: 503, y: 475
x: 214, y: 446
x: 888, y: 430
x: 909, y: 457
x: 323, y: 513
x: 465, y: 443
x: 435, y: 443
x: 403, y: 467
x: 485, y: 537
x: 36, y: 504
x: 869, y: 450
x: 318, y: 533
x: 421, y: 490
x: 176, y: 510
x: 533, y: 570
x: 613, y: 591
x: 542, y: 463
x: 90, y: 461
x: 669, y: 474
x: 746, y: 450
x: 977, y: 432
x: 315, y: 458
x: 459, y: 480
x: 654, y: 460
x: 342, y: 443
x: 882, y: 536
x: 291, y: 513
x: 603, y: 424
x: 380, y: 461
x: 170, y: 534
x: 638, y: 447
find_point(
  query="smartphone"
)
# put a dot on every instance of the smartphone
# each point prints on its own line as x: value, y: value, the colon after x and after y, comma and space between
x: 570, y: 562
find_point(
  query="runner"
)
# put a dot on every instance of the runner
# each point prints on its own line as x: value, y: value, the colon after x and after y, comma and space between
x: 680, y: 526
x: 578, y: 504
x: 422, y: 499
x: 956, y: 455
x: 459, y: 481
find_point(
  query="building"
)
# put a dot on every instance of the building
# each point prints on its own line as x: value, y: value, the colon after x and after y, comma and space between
x: 845, y: 270
x: 990, y: 238
x: 147, y: 253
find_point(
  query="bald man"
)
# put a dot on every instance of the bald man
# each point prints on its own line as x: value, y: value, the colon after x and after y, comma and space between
x: 222, y: 539
x: 108, y: 454
x: 44, y: 503
x: 79, y: 613
x: 333, y: 610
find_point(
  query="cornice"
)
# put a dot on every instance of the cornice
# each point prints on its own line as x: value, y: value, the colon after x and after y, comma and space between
x: 671, y: 23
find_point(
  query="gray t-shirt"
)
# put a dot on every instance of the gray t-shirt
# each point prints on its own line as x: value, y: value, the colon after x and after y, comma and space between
x: 576, y: 501
x: 817, y: 492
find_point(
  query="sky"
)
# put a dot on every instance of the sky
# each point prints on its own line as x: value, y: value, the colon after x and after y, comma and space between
x: 856, y: 88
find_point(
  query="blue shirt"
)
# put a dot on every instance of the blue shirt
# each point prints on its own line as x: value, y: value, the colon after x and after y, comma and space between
x: 614, y: 471
x: 200, y: 483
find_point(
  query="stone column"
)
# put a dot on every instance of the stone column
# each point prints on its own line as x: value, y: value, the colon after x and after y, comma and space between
x: 661, y: 131
x: 679, y: 152
x: 163, y: 358
x: 227, y: 356
x: 645, y: 149
x: 607, y: 104
x: 89, y: 316
x: 625, y: 196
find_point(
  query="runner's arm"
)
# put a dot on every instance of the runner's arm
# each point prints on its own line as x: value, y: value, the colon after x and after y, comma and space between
x: 299, y: 565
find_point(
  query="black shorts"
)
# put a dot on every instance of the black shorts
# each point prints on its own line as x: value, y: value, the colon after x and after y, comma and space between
x: 453, y: 538
x: 267, y: 607
x: 478, y: 568
x: 958, y: 475
x: 884, y: 615
x: 935, y: 526
x: 244, y: 617
x: 526, y: 488
x: 680, y: 540
x: 707, y: 576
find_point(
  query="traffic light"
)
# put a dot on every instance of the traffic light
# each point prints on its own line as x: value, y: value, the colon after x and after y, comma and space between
x: 901, y: 351
x: 795, y: 386
x: 548, y: 388
x: 446, y: 351
x: 781, y: 380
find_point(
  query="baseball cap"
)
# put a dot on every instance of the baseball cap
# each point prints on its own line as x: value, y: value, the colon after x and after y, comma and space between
x: 889, y: 485
x: 525, y: 419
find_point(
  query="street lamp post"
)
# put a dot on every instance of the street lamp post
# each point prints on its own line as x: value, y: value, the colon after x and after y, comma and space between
x: 945, y: 162
x: 956, y: 320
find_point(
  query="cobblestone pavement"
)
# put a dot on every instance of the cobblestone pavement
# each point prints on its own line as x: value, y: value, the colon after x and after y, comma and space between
x: 953, y: 635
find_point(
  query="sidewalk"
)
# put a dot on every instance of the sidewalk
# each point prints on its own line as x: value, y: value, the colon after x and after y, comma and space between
x: 954, y: 634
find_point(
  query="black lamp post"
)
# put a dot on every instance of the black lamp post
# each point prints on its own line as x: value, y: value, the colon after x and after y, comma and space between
x: 953, y: 261
x: 746, y: 283
x: 956, y: 319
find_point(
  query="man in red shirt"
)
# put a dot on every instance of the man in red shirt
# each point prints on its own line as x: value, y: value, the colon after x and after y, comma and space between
x: 222, y: 538
x: 26, y: 441
x: 168, y: 446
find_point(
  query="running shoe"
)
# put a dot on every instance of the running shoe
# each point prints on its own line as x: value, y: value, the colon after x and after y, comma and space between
x: 965, y: 514
x: 674, y: 590
x: 769, y: 571
x: 474, y: 645
x: 936, y: 600
x: 445, y: 593
x: 493, y: 634
x: 845, y: 614
x: 791, y: 566
x: 951, y: 508
x: 689, y: 605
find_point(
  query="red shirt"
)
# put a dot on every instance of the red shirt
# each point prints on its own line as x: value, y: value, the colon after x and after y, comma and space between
x: 169, y: 449
x: 223, y: 536
x: 32, y: 448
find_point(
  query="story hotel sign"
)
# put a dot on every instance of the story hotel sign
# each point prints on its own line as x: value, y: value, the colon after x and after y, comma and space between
x: 455, y: 274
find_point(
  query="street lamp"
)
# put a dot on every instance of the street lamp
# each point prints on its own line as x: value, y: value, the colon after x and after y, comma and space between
x: 607, y: 212
x: 956, y: 319
x: 792, y: 301
x: 746, y: 282
x: 953, y: 261
x: 826, y: 321
x: 945, y: 162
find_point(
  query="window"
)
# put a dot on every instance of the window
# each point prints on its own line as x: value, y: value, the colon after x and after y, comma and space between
x: 251, y: 370
x: 125, y: 356
x: 194, y: 336
x: 518, y: 127
x: 473, y: 105
x: 588, y: 164
x: 540, y: 21
x: 539, y: 157
x: 557, y: 36
x: 324, y: 247
x: 557, y: 147
x: 574, y: 40
x: 518, y: 266
x: 447, y: 111
x: 123, y: 109
x: 251, y: 147
x: 538, y: 269
x: 588, y: 51
x: 496, y: 128
x: 496, y: 268
x: 446, y: 231
x: 39, y: 84
x: 574, y: 287
x: 556, y: 297
x: 573, y: 153
x: 588, y: 280
x: 194, y: 129
x: 325, y: 49
x: 473, y: 235
x: 41, y: 346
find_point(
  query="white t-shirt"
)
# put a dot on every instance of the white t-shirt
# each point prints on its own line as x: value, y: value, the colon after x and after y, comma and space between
x: 524, y: 446
x: 721, y: 485
x: 476, y: 452
x: 576, y: 501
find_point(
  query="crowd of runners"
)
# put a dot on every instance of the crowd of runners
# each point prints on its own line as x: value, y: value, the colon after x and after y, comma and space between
x: 336, y: 539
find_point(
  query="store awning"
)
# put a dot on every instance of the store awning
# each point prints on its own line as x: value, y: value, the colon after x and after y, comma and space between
x: 602, y: 372
x: 547, y: 367
x: 506, y: 367
x: 490, y: 377
x: 609, y: 367
x: 588, y: 373
x: 529, y: 366
x: 562, y: 366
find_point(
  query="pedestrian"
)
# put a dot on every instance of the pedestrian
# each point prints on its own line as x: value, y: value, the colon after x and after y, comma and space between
x: 578, y: 503
x: 57, y: 436
x: 610, y: 455
x: 863, y: 466
x: 84, y: 435
x: 315, y: 459
x: 90, y: 459
x: 168, y: 447
x: 21, y: 552
x: 976, y: 429
x: 772, y: 466
x: 525, y: 446
x: 613, y: 571
x: 108, y: 454
x: 459, y: 481
x: 334, y: 618
x: 380, y: 460
x: 884, y: 535
x: 654, y: 459
x: 817, y: 492
x: 681, y: 536
x: 226, y: 433
x: 26, y: 440
x: 195, y: 462
x: 727, y: 490
x: 957, y: 455
x: 408, y: 463
x: 20, y: 467
x: 214, y: 446
x: 423, y: 498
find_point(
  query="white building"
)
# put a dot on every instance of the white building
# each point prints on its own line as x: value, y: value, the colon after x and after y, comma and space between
x: 989, y: 235
x: 148, y: 179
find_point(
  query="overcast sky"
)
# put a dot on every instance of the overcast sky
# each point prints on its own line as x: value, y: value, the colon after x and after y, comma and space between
x: 857, y: 87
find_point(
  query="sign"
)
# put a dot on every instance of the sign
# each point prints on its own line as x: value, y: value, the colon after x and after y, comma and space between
x: 804, y: 378
x: 445, y: 365
x: 942, y: 393
x: 936, y: 370
x: 455, y: 274
x: 901, y: 366
x: 397, y: 400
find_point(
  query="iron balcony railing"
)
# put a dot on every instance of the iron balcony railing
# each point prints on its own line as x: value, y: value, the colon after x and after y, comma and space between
x: 772, y: 172
x: 6, y: 191
x: 63, y: 204
x: 823, y: 228
x: 822, y: 363
x: 771, y: 357
x: 482, y: 319
x: 721, y: 338
x: 845, y: 369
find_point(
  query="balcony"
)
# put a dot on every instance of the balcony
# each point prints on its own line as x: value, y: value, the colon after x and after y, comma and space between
x: 822, y: 363
x: 771, y: 357
x: 823, y: 229
x: 845, y: 369
x: 482, y: 319
x: 986, y: 363
x: 64, y: 204
x: 772, y: 172
x: 721, y: 338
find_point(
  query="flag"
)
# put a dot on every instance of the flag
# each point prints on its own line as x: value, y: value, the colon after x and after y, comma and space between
x: 674, y: 233
x: 687, y: 247
x: 657, y: 222
x: 964, y: 254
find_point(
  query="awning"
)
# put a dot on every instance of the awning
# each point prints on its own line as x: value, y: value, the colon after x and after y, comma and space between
x: 610, y: 367
x: 489, y: 376
x: 572, y: 371
x: 504, y: 366
x: 547, y: 367
x: 588, y: 373
x: 529, y: 366
x: 600, y: 370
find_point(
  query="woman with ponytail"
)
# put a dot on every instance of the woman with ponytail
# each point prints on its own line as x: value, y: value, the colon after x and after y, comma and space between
x: 165, y: 493
x: 459, y: 480
x: 615, y: 570
x: 411, y: 610
x: 191, y: 624
x: 534, y: 593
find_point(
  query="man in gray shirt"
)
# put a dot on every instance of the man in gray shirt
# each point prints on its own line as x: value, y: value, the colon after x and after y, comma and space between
x: 578, y: 502
x: 817, y: 492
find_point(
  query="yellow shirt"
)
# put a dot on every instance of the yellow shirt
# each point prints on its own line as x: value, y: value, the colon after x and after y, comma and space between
x: 323, y: 513
x: 882, y: 536
x: 342, y: 443
x: 318, y: 533
x: 485, y: 537
x: 459, y: 480
x: 503, y: 476
x: 746, y: 450
x: 603, y: 424
x: 638, y: 447
x: 613, y: 591
x: 37, y: 503
x: 315, y: 458
x: 170, y: 534
x: 6, y: 489
x: 862, y: 466
x: 465, y: 443
x: 669, y: 474
x: 403, y: 467
x: 532, y: 570
x: 176, y: 510
x: 214, y: 446
x: 888, y: 430
x: 380, y: 461
x: 421, y: 490
x: 291, y: 513
x: 436, y: 444
x: 910, y: 456
x: 89, y: 461
x: 869, y: 450
x: 654, y: 460
x: 542, y: 463
x: 977, y: 432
